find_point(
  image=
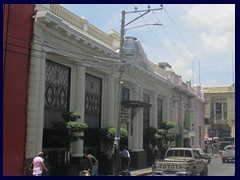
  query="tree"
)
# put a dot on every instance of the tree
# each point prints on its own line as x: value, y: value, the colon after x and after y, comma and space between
x: 68, y: 131
x: 163, y: 136
x: 149, y: 135
x: 107, y: 136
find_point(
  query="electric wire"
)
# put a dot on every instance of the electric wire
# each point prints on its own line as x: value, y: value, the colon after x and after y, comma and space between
x: 159, y: 41
x: 203, y: 69
x: 173, y: 42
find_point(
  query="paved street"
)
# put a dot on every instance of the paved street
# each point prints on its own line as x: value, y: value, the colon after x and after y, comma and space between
x: 217, y: 168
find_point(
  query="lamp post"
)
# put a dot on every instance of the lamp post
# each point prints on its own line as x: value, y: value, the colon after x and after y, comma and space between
x: 116, y: 166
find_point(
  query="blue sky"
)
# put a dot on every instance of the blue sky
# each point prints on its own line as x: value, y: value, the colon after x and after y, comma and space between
x: 197, y: 40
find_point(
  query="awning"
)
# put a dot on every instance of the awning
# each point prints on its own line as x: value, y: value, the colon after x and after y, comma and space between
x: 135, y: 106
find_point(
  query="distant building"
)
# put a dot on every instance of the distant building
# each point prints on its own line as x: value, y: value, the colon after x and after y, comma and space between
x: 220, y: 107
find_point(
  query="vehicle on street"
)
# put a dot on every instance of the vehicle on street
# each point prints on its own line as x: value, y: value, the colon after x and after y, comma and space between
x: 225, y: 141
x: 180, y: 162
x: 203, y: 154
x: 228, y: 153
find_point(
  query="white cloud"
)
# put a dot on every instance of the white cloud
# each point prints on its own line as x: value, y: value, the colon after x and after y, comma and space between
x: 214, y: 16
x: 215, y: 23
x: 213, y: 42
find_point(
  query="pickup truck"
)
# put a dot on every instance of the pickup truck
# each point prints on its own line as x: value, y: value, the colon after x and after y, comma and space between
x: 228, y: 153
x: 180, y: 162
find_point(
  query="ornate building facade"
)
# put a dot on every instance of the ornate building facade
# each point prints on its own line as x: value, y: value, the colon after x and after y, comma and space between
x: 74, y: 66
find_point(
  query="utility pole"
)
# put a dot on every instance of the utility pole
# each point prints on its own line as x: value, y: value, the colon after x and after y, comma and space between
x: 116, y: 164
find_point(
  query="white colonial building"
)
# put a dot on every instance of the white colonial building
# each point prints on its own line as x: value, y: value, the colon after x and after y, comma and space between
x: 74, y: 67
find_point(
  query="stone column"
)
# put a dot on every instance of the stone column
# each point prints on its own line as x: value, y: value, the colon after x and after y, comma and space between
x: 140, y: 121
x: 135, y: 123
x: 154, y: 115
x: 35, y: 100
x: 138, y: 155
x: 110, y: 102
x: 77, y: 147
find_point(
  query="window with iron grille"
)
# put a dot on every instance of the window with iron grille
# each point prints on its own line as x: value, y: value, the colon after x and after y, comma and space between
x: 218, y: 106
x: 159, y: 111
x: 146, y: 119
x: 93, y: 101
x: 57, y: 92
x: 146, y: 111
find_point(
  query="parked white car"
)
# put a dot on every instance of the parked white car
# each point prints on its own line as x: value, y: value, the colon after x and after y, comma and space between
x: 228, y: 153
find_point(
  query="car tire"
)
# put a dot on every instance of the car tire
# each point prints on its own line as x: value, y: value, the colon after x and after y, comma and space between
x: 209, y: 159
x: 204, y: 172
x: 194, y: 172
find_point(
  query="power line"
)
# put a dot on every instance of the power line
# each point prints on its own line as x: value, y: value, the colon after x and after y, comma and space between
x: 180, y: 35
x: 172, y: 41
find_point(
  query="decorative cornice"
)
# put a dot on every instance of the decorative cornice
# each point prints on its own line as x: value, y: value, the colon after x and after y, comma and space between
x: 54, y: 21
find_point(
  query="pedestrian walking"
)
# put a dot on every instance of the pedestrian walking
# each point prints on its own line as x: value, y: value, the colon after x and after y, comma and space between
x: 206, y: 147
x: 38, y: 165
x: 125, y: 158
x: 92, y: 164
x: 213, y: 149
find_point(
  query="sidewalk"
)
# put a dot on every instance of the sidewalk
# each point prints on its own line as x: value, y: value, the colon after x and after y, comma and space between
x: 141, y: 172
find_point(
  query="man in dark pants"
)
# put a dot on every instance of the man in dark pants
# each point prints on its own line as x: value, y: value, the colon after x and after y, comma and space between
x: 125, y: 158
x: 125, y: 162
x: 93, y: 164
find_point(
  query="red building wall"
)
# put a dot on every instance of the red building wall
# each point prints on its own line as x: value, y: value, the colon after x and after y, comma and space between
x: 17, y: 33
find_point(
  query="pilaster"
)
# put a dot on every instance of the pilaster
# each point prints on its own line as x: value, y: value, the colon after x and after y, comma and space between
x: 140, y: 121
x: 135, y: 123
x: 35, y: 101
x: 77, y: 147
x: 154, y: 113
x: 110, y: 101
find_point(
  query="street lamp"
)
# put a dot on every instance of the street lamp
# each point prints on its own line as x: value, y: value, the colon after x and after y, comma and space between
x: 121, y: 70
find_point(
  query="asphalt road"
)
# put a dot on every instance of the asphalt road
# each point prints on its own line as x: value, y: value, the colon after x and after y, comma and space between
x: 217, y: 168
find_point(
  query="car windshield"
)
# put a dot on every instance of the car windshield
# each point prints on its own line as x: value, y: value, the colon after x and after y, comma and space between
x: 201, y: 151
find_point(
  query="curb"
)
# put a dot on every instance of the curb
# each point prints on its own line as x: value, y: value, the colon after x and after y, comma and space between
x: 141, y: 172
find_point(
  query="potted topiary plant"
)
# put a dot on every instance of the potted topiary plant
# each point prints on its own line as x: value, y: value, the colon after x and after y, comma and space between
x: 164, y: 137
x: 68, y: 131
x: 107, y: 136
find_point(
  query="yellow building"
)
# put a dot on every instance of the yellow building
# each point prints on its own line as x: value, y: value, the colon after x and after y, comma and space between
x: 220, y: 107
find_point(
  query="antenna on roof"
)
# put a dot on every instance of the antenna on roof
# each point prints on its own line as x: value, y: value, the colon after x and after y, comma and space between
x: 232, y: 70
x: 199, y: 73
